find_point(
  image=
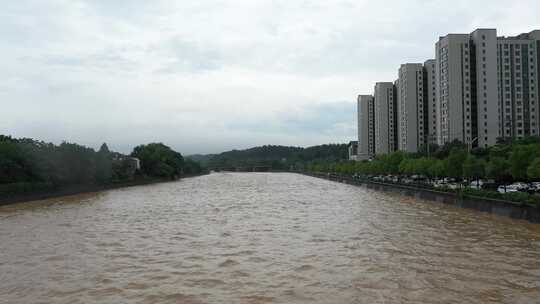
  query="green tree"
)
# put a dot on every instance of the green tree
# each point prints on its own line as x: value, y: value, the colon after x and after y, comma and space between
x: 392, y: 161
x: 445, y: 150
x: 121, y: 170
x: 498, y: 169
x: 159, y: 160
x: 192, y: 167
x: 14, y: 164
x: 405, y: 167
x: 520, y: 159
x: 437, y: 168
x: 473, y: 168
x: 455, y: 161
x: 103, y: 162
x: 533, y: 171
x: 423, y: 165
x: 75, y: 164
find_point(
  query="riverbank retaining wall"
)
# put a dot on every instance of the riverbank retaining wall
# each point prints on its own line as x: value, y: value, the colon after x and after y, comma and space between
x: 500, y: 207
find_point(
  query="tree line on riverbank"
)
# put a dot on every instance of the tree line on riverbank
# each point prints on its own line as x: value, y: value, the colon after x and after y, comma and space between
x: 28, y: 165
x: 505, y: 162
x: 276, y: 157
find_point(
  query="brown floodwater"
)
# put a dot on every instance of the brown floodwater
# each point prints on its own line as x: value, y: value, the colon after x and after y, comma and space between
x: 262, y: 238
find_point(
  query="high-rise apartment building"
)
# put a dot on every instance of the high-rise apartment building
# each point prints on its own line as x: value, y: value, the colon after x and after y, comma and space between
x: 466, y: 88
x: 479, y: 88
x: 385, y: 118
x: 431, y: 100
x: 366, y: 127
x: 518, y: 91
x: 411, y: 107
x: 352, y: 148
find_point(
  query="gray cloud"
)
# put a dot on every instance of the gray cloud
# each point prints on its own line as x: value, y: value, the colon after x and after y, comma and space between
x: 205, y: 76
x: 188, y: 56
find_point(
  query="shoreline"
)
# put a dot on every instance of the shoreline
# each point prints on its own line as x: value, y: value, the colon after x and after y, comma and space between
x: 81, y: 189
x: 504, y: 208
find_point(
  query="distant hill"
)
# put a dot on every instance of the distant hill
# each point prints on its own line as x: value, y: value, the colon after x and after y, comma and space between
x: 276, y: 157
x: 203, y: 159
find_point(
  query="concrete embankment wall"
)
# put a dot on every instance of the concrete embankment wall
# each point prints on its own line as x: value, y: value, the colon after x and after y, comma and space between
x: 500, y: 207
x: 79, y: 189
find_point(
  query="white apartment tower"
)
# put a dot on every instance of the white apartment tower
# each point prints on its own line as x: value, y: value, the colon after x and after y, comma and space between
x: 411, y: 108
x: 518, y: 69
x: 479, y: 88
x: 385, y: 118
x: 366, y: 127
x: 466, y: 88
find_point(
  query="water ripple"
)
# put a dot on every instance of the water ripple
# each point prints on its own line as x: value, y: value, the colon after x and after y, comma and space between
x: 262, y: 238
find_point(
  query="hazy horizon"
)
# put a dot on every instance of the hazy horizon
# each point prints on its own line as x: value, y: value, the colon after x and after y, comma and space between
x: 211, y: 76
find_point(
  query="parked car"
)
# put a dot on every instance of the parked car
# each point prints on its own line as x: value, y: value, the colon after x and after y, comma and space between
x: 507, y: 188
x: 535, y: 186
x: 477, y: 184
x: 453, y: 185
x: 520, y: 186
x: 407, y: 180
x: 439, y: 183
x: 449, y: 180
x: 490, y: 185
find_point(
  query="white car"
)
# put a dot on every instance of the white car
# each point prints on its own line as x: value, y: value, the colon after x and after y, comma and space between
x: 453, y: 186
x: 407, y: 180
x: 520, y: 186
x: 476, y: 184
x: 507, y: 189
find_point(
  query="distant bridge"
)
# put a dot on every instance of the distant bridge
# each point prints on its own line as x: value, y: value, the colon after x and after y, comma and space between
x: 244, y: 169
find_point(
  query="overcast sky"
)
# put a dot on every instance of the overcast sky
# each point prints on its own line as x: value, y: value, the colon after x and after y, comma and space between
x: 208, y: 76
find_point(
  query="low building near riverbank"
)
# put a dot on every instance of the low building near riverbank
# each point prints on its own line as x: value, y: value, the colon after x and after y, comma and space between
x: 127, y: 166
x: 353, y: 150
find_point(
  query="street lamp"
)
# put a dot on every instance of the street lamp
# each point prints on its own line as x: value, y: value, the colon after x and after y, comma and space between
x: 471, y: 144
x: 469, y: 152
